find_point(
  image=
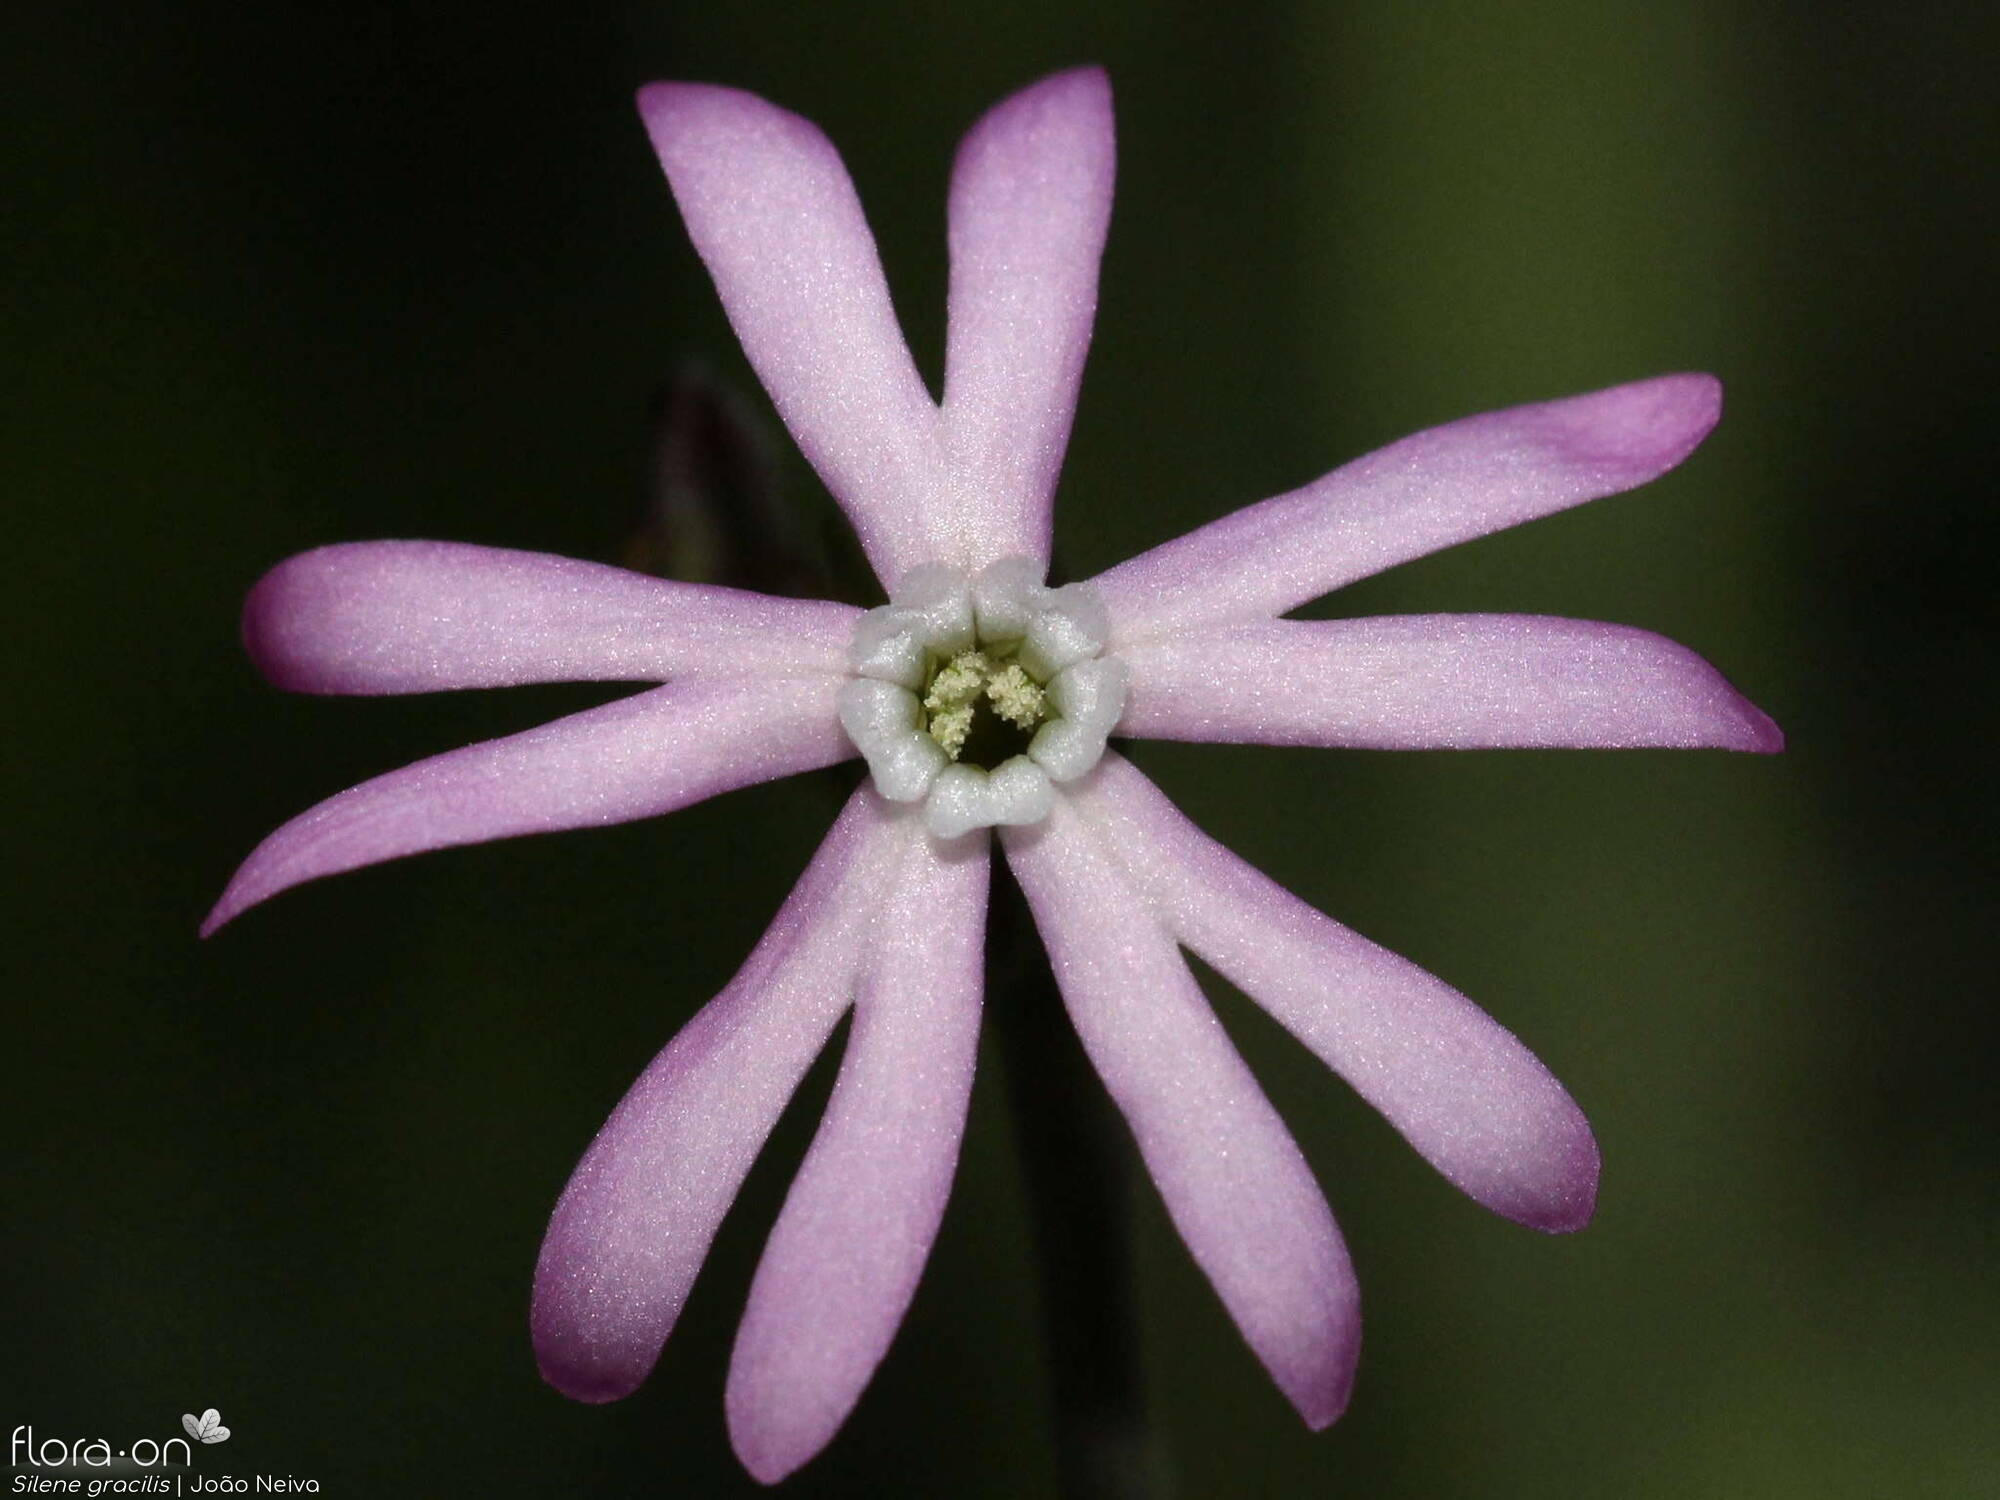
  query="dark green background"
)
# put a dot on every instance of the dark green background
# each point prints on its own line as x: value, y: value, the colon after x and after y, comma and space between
x: 286, y: 275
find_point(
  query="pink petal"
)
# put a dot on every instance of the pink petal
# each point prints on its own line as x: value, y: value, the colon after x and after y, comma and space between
x: 1412, y: 498
x: 843, y: 1261
x: 409, y: 617
x: 1471, y: 1099
x: 1030, y: 203
x: 1413, y: 682
x: 642, y: 755
x: 1236, y: 1186
x: 770, y: 208
x: 635, y: 1222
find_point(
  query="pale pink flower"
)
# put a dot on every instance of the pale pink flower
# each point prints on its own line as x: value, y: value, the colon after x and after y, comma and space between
x: 952, y: 503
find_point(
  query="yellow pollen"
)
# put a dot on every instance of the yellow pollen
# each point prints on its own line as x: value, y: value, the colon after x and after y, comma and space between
x: 1016, y: 696
x: 954, y: 696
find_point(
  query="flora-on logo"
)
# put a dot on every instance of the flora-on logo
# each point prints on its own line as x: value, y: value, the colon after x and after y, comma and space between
x: 206, y: 1428
x: 25, y: 1449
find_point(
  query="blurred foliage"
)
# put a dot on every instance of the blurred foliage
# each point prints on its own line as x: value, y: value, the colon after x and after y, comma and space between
x: 290, y: 274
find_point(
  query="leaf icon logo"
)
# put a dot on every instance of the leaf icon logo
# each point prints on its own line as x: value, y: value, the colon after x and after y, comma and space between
x: 206, y: 1428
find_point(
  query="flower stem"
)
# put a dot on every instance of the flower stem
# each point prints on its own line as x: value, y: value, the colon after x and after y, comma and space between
x: 1076, y: 1167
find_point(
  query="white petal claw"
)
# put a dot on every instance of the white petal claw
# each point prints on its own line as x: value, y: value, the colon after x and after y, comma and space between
x: 964, y: 798
x: 1003, y: 598
x: 1089, y: 697
x: 1018, y: 793
x: 1070, y: 626
x: 881, y: 719
x: 940, y: 597
x: 957, y: 802
x: 1091, y: 693
x: 888, y: 645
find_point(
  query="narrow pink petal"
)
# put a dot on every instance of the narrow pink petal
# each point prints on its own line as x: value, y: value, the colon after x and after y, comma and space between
x: 642, y: 755
x: 1418, y: 682
x: 842, y: 1264
x: 770, y: 208
x: 1030, y: 203
x: 1471, y: 1099
x: 1236, y: 1186
x: 1412, y: 498
x: 634, y: 1224
x: 410, y: 617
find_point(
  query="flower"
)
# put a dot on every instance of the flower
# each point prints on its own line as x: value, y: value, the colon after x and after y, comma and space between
x: 980, y: 697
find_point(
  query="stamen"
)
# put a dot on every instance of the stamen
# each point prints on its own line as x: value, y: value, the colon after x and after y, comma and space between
x: 954, y: 698
x: 959, y: 681
x: 1016, y: 696
x: 952, y: 703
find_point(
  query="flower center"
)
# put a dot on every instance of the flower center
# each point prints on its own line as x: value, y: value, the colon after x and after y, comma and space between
x: 976, y: 694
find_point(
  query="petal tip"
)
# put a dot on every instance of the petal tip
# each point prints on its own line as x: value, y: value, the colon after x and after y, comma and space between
x: 1084, y: 87
x: 1568, y: 1200
x: 251, y: 885
x: 237, y: 897
x: 1687, y: 403
x: 587, y: 1359
x: 1319, y: 1421
x: 271, y: 612
x: 1086, y: 83
x: 310, y: 624
x: 583, y: 1381
x: 1696, y: 391
x: 1315, y: 1365
x: 1761, y: 734
x: 1646, y: 427
x: 1727, y: 719
x: 1678, y: 411
x: 663, y: 100
x: 1567, y: 1217
x: 1715, y: 715
x: 1319, y: 1409
x: 683, y: 120
x: 771, y: 1450
x: 1073, y: 107
x: 1734, y: 722
x: 1075, y: 104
